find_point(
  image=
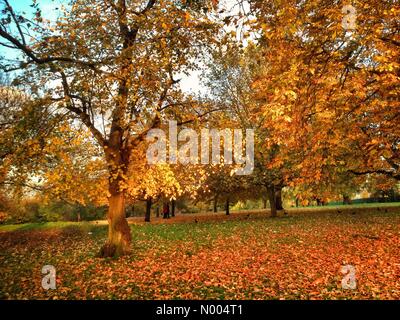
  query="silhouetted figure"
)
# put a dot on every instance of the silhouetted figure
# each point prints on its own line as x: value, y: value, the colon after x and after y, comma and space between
x: 166, y: 211
x: 346, y: 199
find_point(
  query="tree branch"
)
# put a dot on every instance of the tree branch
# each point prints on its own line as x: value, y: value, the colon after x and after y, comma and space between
x: 85, y: 118
x: 391, y: 174
x: 10, y: 9
x: 29, y: 52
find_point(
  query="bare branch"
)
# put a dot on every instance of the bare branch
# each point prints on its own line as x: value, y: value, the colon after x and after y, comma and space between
x: 10, y: 9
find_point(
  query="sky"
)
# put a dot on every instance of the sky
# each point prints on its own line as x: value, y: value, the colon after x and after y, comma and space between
x: 48, y: 12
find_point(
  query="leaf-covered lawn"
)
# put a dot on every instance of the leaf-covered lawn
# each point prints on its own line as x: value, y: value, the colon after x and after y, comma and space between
x: 248, y: 257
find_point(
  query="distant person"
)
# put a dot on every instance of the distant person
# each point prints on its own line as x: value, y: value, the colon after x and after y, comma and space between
x: 166, y: 211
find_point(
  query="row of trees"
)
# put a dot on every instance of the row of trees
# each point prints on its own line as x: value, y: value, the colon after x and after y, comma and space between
x: 322, y: 99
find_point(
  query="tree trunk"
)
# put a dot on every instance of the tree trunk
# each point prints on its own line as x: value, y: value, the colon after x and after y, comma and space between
x: 227, y: 207
x: 158, y: 211
x: 216, y: 203
x: 264, y: 199
x: 119, y: 233
x: 278, y: 198
x: 148, y: 210
x: 272, y: 201
x: 173, y: 204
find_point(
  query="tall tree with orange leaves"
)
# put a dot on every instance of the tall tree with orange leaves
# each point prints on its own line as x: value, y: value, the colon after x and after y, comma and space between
x: 329, y: 86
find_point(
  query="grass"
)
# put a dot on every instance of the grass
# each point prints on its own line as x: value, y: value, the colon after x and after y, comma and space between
x: 44, y: 226
x: 357, y: 205
x: 244, y: 256
x: 88, y: 225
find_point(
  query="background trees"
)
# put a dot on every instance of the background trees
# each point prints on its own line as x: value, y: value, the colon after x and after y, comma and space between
x: 310, y: 87
x: 321, y: 87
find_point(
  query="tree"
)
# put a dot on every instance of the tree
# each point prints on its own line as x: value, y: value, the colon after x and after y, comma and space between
x: 327, y: 92
x: 148, y: 210
x: 229, y: 78
x: 35, y: 143
x: 74, y: 171
x: 114, y: 64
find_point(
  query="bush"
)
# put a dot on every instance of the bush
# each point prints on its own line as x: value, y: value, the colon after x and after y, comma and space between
x: 34, y: 210
x: 3, y: 217
x: 63, y: 211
